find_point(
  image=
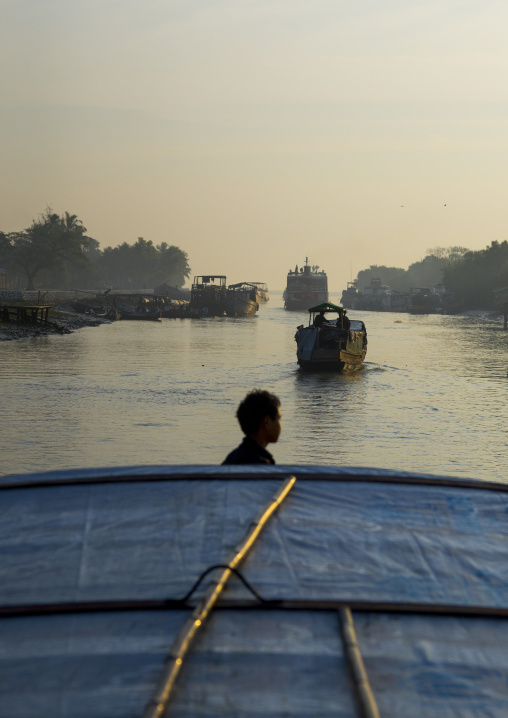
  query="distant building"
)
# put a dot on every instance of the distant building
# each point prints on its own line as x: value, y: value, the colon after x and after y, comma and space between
x: 8, y: 280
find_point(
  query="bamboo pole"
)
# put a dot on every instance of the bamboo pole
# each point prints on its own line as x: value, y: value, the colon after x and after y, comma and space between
x: 161, y: 696
x: 365, y: 695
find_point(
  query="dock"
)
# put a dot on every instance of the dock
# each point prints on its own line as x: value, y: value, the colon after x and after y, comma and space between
x: 23, y: 314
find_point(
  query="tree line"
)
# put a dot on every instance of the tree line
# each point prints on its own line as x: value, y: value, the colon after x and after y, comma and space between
x: 470, y: 275
x: 55, y: 252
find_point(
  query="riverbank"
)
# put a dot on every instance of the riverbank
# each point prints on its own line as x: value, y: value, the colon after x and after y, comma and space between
x: 60, y: 321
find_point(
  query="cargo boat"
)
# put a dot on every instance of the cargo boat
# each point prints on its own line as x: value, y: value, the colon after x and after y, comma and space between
x: 241, y: 300
x: 262, y: 296
x: 208, y: 295
x: 305, y: 287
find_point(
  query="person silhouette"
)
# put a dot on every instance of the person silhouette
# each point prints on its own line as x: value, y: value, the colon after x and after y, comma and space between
x: 259, y: 418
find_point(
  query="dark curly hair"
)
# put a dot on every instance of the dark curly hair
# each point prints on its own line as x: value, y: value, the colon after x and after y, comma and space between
x: 253, y: 409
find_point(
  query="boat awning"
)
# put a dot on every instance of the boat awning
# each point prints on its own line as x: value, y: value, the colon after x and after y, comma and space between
x: 327, y: 307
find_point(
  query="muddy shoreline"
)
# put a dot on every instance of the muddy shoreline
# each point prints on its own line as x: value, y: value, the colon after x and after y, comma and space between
x: 61, y: 320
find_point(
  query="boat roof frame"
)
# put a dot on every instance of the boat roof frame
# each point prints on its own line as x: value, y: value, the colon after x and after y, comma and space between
x: 208, y: 278
x: 327, y: 307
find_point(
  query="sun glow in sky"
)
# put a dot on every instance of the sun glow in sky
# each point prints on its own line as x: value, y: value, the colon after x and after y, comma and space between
x: 252, y: 134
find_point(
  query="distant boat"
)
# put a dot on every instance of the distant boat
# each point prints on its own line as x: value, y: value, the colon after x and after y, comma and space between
x: 422, y: 301
x: 305, y: 287
x: 372, y: 297
x: 149, y: 316
x: 132, y: 305
x: 349, y: 295
x: 208, y: 295
x: 173, y: 308
x: 336, y: 345
x: 241, y: 300
x: 261, y: 292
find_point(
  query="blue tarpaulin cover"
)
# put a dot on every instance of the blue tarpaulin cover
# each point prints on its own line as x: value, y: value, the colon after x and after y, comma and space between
x: 341, y: 536
x: 306, y: 341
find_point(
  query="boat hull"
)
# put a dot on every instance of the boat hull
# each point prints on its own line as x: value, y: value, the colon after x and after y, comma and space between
x: 140, y: 316
x: 301, y: 302
x: 210, y: 303
x: 328, y: 362
x: 262, y: 296
x: 240, y: 304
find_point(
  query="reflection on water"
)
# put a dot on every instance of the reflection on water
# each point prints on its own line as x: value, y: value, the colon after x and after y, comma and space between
x: 431, y: 396
x: 329, y: 404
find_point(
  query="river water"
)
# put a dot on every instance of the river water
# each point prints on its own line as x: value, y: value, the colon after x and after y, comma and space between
x: 430, y: 398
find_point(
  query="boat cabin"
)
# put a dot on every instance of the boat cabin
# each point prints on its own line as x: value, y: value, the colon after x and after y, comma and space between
x: 208, y: 294
x: 207, y: 280
x: 336, y: 316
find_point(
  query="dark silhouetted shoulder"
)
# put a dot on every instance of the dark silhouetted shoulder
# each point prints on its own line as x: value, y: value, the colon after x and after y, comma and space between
x: 249, y: 452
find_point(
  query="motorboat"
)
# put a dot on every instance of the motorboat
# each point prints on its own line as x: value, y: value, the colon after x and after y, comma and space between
x: 331, y: 341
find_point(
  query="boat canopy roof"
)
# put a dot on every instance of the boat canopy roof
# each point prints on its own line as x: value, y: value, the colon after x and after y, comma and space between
x: 102, y: 568
x: 327, y: 307
x: 242, y: 285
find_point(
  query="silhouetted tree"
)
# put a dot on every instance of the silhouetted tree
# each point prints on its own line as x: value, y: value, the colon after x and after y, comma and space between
x: 424, y: 273
x: 51, y: 242
x: 474, y: 277
x: 143, y: 265
x: 5, y: 251
x: 56, y: 251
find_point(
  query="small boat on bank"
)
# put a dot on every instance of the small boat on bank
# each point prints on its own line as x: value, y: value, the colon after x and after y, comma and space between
x: 174, y: 308
x: 305, y: 287
x: 241, y: 300
x: 151, y: 315
x: 331, y: 344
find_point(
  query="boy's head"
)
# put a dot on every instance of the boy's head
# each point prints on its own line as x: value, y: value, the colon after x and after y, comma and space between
x: 260, y: 410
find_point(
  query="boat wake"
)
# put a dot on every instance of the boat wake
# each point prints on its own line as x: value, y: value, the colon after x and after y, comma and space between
x: 371, y: 366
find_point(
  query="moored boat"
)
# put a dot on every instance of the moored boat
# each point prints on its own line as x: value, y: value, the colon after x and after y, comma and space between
x: 350, y: 295
x: 133, y: 306
x: 305, y: 287
x: 422, y: 301
x: 262, y: 296
x: 331, y: 344
x: 173, y: 308
x: 208, y: 295
x: 252, y: 590
x: 241, y: 300
x: 150, y: 315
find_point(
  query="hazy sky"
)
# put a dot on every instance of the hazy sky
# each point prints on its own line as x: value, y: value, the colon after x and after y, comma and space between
x: 253, y: 133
